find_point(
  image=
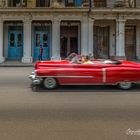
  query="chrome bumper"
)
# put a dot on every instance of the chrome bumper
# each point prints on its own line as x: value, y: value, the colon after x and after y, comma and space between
x: 35, y: 80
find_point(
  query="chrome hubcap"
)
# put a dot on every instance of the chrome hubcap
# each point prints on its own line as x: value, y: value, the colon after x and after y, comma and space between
x: 125, y: 85
x: 50, y: 83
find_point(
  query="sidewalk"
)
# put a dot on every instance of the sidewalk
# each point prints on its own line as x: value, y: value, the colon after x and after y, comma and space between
x: 16, y: 64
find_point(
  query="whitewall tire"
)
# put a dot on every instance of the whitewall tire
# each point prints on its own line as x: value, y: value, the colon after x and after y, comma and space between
x: 50, y: 83
x: 125, y: 85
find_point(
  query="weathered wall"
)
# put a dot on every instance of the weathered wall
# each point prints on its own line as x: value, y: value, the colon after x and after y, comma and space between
x: 110, y: 3
x: 31, y: 3
x: 138, y: 3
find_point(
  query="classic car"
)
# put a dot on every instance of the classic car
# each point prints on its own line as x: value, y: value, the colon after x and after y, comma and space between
x: 52, y: 73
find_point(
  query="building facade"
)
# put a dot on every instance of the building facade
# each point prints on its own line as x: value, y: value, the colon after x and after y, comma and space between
x: 102, y: 28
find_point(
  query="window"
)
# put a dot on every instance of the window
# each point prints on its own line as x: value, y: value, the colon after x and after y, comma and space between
x: 17, y: 3
x: 59, y: 1
x: 12, y: 40
x: 100, y: 3
x: 19, y: 40
x: 42, y: 3
x: 24, y: 3
x: 130, y: 3
x: 86, y: 3
x: 70, y: 2
x: 45, y: 40
x: 37, y: 40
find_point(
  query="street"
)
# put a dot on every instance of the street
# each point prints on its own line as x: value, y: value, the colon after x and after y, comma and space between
x: 66, y: 113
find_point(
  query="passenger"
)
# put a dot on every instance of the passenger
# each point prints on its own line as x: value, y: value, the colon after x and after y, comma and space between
x: 76, y: 59
x: 71, y: 56
x: 86, y: 60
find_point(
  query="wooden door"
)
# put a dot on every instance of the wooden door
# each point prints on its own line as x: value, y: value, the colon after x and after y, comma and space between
x: 69, y: 40
x: 101, y: 42
x: 130, y: 42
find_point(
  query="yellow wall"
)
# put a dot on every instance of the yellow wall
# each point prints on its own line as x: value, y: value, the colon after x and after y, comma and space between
x: 31, y: 3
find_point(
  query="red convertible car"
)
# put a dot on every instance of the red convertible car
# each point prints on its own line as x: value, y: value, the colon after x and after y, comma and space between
x: 50, y: 74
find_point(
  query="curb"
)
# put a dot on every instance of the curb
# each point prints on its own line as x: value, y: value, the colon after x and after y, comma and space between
x: 16, y: 65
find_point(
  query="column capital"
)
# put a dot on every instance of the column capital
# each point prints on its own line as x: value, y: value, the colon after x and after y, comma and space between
x: 56, y: 21
x: 84, y: 20
x: 27, y: 18
x: 91, y: 19
x: 121, y: 20
x: 1, y: 20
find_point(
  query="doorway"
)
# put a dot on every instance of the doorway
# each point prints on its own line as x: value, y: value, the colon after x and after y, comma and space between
x: 41, y: 41
x: 101, y: 42
x: 69, y: 40
x: 15, y: 45
x: 130, y: 42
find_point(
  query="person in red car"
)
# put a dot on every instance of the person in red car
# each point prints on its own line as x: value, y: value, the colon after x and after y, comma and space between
x: 86, y: 60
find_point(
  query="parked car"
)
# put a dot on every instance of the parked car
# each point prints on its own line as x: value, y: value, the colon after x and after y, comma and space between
x: 51, y: 74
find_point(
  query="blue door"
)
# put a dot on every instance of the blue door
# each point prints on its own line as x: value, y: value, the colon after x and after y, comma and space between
x: 15, y: 45
x: 78, y: 3
x: 41, y: 40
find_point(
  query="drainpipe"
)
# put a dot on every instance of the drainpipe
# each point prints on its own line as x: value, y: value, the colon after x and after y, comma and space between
x: 90, y: 4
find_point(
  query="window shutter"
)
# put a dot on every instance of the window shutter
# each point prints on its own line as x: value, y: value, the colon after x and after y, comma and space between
x: 110, y: 3
x: 138, y: 3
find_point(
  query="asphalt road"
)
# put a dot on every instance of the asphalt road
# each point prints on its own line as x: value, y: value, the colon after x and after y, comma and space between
x: 66, y: 113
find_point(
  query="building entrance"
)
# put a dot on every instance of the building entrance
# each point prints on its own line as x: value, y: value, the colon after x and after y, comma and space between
x: 130, y: 42
x: 41, y: 40
x: 15, y: 45
x: 41, y: 45
x: 69, y: 40
x: 101, y: 42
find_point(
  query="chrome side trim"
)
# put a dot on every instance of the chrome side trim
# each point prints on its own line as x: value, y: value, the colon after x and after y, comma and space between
x: 104, y: 75
x: 61, y: 76
x: 89, y: 84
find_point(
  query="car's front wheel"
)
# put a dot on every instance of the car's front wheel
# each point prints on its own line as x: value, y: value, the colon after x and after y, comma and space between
x: 125, y: 85
x: 50, y: 83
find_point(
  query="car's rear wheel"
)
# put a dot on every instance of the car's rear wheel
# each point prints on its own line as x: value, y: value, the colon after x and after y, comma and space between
x: 50, y: 83
x: 125, y: 85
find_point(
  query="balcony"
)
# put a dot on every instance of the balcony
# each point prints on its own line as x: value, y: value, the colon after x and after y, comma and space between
x: 100, y: 3
x: 41, y: 3
x: 125, y: 3
x: 15, y: 3
x: 66, y: 4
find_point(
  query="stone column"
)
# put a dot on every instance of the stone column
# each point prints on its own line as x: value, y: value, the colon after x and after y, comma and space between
x: 138, y: 41
x: 90, y: 37
x: 120, y: 39
x: 1, y: 42
x: 6, y: 3
x: 27, y: 58
x: 84, y: 36
x: 56, y: 40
